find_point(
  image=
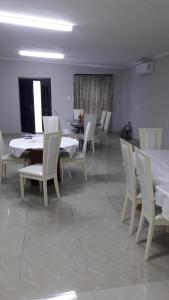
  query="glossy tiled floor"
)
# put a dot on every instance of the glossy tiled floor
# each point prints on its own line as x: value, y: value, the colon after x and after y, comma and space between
x: 77, y: 248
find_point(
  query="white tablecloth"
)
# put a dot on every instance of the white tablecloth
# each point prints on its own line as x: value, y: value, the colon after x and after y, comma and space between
x: 160, y: 174
x: 18, y: 146
x: 159, y: 166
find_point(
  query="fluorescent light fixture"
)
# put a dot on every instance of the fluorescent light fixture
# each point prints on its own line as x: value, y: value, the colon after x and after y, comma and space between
x: 41, y: 54
x: 32, y: 21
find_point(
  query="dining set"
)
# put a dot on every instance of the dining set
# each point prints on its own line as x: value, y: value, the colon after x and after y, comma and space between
x: 56, y: 148
x: 147, y: 182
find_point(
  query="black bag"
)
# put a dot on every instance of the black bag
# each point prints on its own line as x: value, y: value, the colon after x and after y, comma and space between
x: 127, y: 132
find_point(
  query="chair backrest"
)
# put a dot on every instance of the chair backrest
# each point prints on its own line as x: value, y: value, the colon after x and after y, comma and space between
x: 87, y: 133
x: 150, y: 138
x: 102, y: 120
x: 51, y: 148
x: 129, y: 167
x: 143, y: 165
x: 51, y: 124
x: 2, y: 146
x: 77, y: 112
x: 92, y: 119
x: 107, y: 121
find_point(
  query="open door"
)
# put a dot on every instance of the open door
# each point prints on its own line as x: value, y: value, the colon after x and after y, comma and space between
x: 26, y: 105
x: 35, y: 102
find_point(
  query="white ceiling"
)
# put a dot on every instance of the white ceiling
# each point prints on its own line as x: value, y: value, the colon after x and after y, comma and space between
x: 107, y: 32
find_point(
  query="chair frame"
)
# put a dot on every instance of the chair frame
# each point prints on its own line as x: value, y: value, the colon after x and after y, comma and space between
x: 82, y: 160
x: 143, y: 132
x: 77, y: 112
x: 92, y: 118
x: 45, y: 177
x: 56, y: 124
x: 131, y: 183
x: 4, y: 161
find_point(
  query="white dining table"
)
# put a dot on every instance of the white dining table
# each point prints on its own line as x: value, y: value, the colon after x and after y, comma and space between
x: 20, y: 145
x: 160, y: 174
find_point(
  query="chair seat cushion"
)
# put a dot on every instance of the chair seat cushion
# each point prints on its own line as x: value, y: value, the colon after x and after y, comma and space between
x: 35, y: 170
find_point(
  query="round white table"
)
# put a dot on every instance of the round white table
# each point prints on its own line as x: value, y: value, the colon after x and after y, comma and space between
x: 18, y: 146
x: 160, y: 175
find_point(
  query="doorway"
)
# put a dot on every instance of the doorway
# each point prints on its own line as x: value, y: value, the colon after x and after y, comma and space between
x: 35, y: 102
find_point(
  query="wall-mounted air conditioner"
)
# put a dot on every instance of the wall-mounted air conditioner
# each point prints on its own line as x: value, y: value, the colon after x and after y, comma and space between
x: 145, y: 68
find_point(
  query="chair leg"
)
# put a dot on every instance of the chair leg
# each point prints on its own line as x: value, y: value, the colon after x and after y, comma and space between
x: 61, y: 171
x: 22, y: 187
x: 133, y: 212
x: 141, y: 223
x: 124, y: 207
x: 45, y: 193
x: 93, y: 146
x: 149, y: 241
x: 40, y: 186
x: 1, y: 166
x: 57, y: 188
x: 85, y: 174
x: 4, y: 169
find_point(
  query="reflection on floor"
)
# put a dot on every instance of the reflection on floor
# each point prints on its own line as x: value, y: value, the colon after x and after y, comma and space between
x: 77, y: 248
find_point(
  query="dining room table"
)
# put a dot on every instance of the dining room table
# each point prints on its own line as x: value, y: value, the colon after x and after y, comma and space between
x: 160, y: 174
x: 33, y: 144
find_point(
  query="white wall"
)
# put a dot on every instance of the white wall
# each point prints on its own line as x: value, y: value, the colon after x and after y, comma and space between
x: 145, y: 99
x: 61, y: 85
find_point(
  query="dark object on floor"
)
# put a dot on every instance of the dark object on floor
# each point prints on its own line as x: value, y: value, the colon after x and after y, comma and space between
x: 127, y: 132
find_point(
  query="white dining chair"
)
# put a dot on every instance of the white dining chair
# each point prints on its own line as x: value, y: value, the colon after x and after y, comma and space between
x: 150, y: 138
x: 143, y: 165
x: 51, y: 124
x: 131, y: 193
x: 77, y: 113
x: 7, y: 158
x: 92, y: 118
x: 102, y: 120
x: 79, y: 157
x: 103, y: 134
x: 48, y: 169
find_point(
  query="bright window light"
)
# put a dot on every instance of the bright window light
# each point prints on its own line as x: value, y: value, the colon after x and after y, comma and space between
x: 41, y: 54
x: 36, y: 22
x: 37, y: 106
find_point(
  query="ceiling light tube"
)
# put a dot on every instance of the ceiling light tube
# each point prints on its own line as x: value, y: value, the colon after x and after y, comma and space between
x: 41, y: 54
x: 36, y: 22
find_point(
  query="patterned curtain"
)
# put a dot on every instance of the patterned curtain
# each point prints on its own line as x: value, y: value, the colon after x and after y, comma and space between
x: 93, y: 93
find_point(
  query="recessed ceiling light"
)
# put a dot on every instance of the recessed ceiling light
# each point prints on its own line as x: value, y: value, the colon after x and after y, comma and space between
x: 41, y: 54
x: 37, y: 22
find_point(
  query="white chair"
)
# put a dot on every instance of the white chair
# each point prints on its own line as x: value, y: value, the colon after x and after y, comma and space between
x: 7, y: 158
x: 77, y: 112
x: 102, y: 120
x: 78, y: 157
x: 148, y: 205
x: 92, y: 118
x: 103, y: 134
x: 131, y: 182
x: 51, y: 124
x: 107, y: 121
x: 48, y: 169
x: 150, y: 138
